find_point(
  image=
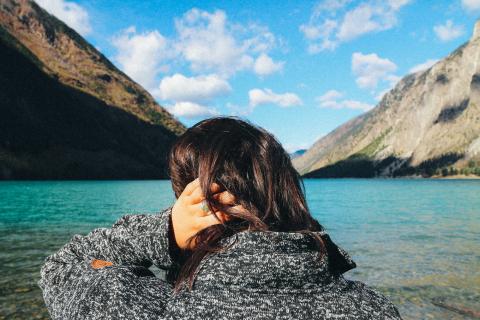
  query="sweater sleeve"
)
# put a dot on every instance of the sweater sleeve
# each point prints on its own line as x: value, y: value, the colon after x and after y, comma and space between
x: 132, y: 244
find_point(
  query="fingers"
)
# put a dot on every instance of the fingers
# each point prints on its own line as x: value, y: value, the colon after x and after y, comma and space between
x: 198, y: 208
x: 197, y: 194
x: 223, y: 216
x: 238, y: 209
x: 225, y: 197
x: 209, y: 220
x: 191, y: 187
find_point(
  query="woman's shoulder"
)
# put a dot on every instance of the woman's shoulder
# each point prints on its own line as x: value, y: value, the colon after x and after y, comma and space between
x: 144, y: 221
x: 370, y: 298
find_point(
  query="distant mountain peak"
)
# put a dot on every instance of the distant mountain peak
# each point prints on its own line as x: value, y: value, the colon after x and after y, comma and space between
x: 297, y: 153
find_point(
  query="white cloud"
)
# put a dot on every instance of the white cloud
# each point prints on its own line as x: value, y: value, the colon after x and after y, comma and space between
x: 353, y: 104
x: 323, y: 32
x: 193, y: 89
x: 210, y: 43
x: 329, y: 6
x: 370, y: 69
x: 69, y: 12
x: 397, y: 4
x: 191, y: 110
x: 364, y: 19
x: 264, y: 65
x: 329, y: 99
x: 213, y: 47
x: 141, y: 55
x: 423, y: 66
x: 471, y: 5
x: 332, y: 100
x: 236, y: 110
x: 311, y: 32
x: 257, y: 38
x: 267, y: 96
x: 448, y: 31
x: 327, y: 28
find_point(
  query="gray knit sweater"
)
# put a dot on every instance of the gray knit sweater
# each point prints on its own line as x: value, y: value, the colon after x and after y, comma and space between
x: 262, y: 275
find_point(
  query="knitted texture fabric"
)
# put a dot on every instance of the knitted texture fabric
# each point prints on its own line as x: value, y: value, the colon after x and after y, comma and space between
x: 260, y: 275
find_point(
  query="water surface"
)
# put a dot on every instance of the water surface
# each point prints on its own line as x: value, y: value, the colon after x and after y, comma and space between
x: 417, y: 241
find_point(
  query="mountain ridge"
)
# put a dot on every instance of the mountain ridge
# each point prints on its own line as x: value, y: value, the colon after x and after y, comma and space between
x: 75, y: 62
x: 428, y: 123
x: 68, y: 113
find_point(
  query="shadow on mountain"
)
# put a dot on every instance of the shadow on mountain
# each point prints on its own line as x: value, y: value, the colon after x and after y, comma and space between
x: 52, y: 131
x: 357, y: 166
x: 452, y: 112
x: 434, y: 166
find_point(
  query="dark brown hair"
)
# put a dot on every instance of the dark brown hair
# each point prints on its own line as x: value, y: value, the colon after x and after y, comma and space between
x: 251, y: 164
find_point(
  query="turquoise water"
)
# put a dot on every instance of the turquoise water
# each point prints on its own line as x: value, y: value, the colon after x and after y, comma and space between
x: 417, y: 241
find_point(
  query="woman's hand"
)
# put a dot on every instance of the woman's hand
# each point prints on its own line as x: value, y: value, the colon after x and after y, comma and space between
x: 188, y: 217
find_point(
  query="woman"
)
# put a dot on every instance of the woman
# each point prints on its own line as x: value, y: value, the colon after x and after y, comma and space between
x: 238, y: 243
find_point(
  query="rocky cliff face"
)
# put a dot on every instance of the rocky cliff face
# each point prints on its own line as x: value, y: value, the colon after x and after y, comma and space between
x: 429, y: 124
x: 66, y: 111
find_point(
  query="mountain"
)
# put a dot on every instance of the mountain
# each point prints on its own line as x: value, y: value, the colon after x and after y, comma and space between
x: 297, y: 153
x: 66, y: 112
x: 428, y: 124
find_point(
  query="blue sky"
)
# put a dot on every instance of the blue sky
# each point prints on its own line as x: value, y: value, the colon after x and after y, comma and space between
x: 297, y: 68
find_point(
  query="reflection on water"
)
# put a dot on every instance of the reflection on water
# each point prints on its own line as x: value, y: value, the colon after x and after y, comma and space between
x: 417, y: 241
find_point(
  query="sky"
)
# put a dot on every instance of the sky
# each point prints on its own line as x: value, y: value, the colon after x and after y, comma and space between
x: 296, y: 68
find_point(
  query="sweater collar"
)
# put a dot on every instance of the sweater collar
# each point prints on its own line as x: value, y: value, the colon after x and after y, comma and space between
x: 267, y: 259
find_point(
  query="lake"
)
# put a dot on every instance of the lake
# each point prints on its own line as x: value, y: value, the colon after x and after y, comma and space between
x: 416, y: 241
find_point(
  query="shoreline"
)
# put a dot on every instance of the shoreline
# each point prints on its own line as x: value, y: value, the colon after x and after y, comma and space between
x: 453, y: 177
x: 458, y: 177
x: 413, y: 177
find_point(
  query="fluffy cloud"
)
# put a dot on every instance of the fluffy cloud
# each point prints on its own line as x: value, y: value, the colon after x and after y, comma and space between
x: 323, y: 32
x: 332, y: 99
x: 267, y: 96
x: 397, y: 4
x: 191, y: 110
x: 423, y: 66
x: 370, y: 69
x: 192, y: 89
x: 329, y: 99
x: 353, y: 104
x: 69, y: 12
x: 364, y: 19
x: 329, y: 6
x: 141, y: 55
x: 264, y: 65
x: 471, y: 5
x: 448, y: 31
x: 331, y: 23
x: 209, y: 43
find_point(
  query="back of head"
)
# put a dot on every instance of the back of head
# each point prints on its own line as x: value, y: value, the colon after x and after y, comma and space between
x: 251, y: 164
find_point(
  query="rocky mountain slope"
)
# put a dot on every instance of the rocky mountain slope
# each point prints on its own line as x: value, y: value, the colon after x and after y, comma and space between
x: 68, y: 112
x: 428, y: 124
